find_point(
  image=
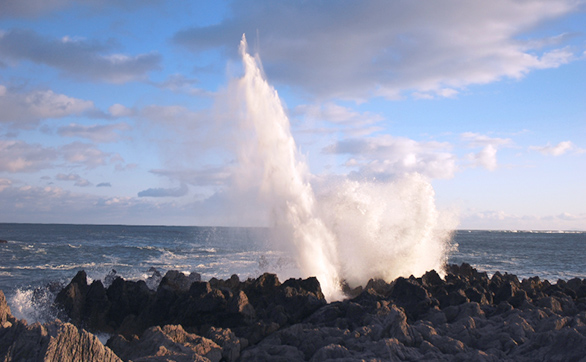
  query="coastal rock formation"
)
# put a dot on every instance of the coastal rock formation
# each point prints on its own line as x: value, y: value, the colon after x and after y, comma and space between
x: 464, y: 316
x: 54, y: 341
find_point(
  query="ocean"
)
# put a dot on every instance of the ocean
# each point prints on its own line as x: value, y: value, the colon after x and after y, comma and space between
x: 38, y: 259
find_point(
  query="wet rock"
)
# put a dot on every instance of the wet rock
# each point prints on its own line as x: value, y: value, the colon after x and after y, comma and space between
x: 72, y: 298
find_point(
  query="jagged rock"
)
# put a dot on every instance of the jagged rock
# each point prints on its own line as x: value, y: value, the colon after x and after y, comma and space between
x: 170, y: 342
x: 464, y: 316
x: 72, y: 298
x: 230, y: 343
x: 55, y: 341
x: 412, y: 296
x: 177, y: 281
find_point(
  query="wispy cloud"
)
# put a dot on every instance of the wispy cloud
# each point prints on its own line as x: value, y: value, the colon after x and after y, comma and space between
x: 384, y: 156
x: 500, y: 219
x: 34, y: 8
x: 96, y: 133
x: 19, y: 156
x: 79, y: 181
x: 88, y: 60
x: 556, y: 150
x: 320, y: 117
x: 165, y: 192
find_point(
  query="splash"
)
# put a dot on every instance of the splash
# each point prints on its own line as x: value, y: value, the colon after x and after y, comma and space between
x: 354, y: 232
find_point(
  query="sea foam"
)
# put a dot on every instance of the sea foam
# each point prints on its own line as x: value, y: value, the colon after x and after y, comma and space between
x: 356, y: 231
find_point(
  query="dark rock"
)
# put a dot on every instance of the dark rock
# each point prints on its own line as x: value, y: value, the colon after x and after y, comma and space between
x: 465, y: 316
x: 412, y: 296
x: 72, y: 298
x: 225, y: 338
x: 177, y: 281
x: 2, y: 241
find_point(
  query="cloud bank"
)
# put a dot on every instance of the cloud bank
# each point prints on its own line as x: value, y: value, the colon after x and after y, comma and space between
x: 389, y: 48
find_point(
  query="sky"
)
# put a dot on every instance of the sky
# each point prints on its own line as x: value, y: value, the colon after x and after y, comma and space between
x: 117, y: 111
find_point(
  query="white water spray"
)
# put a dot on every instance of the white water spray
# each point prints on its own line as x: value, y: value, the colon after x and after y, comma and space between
x: 358, y: 230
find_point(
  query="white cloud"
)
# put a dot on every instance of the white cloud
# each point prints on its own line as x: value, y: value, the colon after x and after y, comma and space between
x: 206, y: 176
x: 96, y: 133
x: 19, y: 156
x: 86, y: 154
x: 391, y: 48
x: 557, y: 150
x: 480, y: 140
x: 79, y: 58
x: 118, y: 110
x: 384, y: 156
x: 486, y: 157
x: 345, y: 119
x: 27, y: 109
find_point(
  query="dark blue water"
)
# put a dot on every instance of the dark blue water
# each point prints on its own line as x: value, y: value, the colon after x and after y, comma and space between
x: 549, y: 255
x: 37, y: 254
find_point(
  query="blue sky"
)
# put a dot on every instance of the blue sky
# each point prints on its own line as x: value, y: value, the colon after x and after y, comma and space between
x: 109, y: 109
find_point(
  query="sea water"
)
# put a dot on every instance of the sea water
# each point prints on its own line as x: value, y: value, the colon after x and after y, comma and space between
x: 38, y: 257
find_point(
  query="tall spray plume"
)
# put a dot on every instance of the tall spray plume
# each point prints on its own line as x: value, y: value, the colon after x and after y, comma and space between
x: 356, y: 231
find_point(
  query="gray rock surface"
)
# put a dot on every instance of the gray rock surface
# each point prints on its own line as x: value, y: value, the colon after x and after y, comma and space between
x: 54, y: 341
x: 464, y: 316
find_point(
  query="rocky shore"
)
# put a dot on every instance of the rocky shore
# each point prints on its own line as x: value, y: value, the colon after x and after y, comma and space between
x: 464, y: 316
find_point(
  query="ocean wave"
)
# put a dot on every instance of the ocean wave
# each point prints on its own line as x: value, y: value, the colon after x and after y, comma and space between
x: 33, y: 305
x: 209, y: 250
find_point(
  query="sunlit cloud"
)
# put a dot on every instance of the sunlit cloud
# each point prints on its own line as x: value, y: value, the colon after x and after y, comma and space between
x: 19, y: 156
x: 487, y: 156
x: 27, y: 109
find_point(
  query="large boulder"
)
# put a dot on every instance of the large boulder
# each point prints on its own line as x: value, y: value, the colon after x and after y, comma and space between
x: 169, y: 343
x: 54, y: 341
